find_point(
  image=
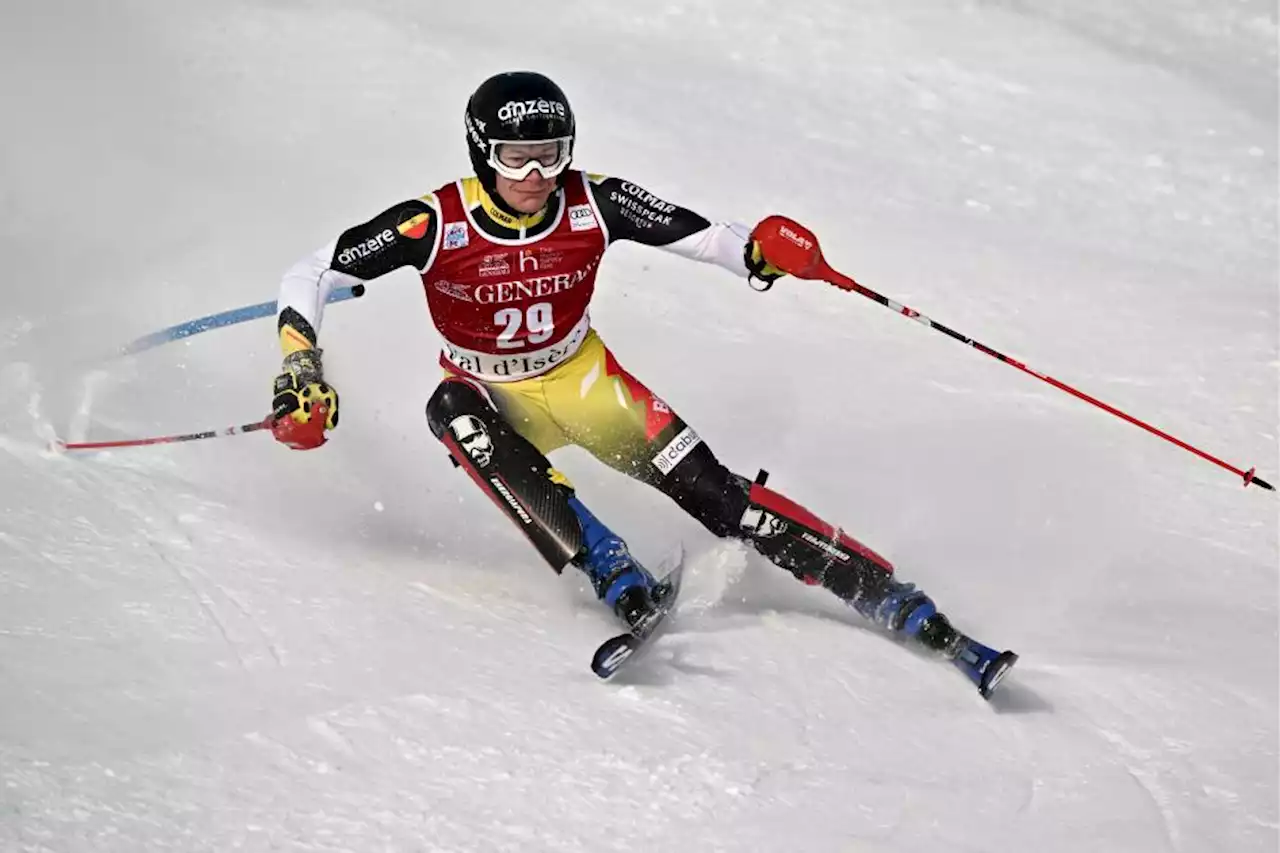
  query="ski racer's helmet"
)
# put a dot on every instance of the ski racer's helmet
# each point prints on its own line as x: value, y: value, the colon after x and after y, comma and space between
x: 518, y: 107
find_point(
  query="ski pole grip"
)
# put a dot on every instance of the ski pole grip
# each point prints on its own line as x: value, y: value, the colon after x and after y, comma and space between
x: 789, y: 246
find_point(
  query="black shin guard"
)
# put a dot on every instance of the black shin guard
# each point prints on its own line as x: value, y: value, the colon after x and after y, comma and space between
x: 510, y: 470
x: 786, y: 533
x: 812, y: 550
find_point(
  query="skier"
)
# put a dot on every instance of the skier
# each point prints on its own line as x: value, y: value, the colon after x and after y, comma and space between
x: 508, y: 260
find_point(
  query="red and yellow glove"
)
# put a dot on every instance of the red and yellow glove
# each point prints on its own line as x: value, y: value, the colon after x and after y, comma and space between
x: 304, y: 405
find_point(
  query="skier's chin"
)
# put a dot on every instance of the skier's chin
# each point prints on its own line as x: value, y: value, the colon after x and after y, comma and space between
x: 531, y: 204
x: 528, y: 202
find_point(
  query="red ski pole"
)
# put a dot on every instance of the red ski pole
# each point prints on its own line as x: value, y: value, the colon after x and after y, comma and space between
x: 168, y: 439
x: 791, y: 247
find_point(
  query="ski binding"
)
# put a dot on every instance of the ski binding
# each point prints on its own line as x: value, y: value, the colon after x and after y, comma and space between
x: 619, y: 650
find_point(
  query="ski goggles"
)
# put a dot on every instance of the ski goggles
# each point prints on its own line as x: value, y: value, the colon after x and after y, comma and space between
x: 518, y: 160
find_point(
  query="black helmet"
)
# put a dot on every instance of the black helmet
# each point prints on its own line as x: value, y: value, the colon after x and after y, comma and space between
x: 517, y: 106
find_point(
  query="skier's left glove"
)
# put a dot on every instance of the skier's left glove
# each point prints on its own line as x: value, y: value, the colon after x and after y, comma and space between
x: 304, y: 405
x: 758, y: 267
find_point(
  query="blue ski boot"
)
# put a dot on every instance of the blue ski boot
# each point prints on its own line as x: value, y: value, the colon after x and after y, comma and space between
x: 907, y: 610
x: 619, y: 581
x: 983, y: 665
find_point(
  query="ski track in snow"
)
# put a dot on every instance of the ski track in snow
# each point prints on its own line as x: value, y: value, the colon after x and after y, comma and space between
x: 222, y: 645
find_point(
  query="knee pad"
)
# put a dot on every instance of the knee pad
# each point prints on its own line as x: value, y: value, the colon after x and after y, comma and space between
x: 452, y: 399
x: 510, y: 470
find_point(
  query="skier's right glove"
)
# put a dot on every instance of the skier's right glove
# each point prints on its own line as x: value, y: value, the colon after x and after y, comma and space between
x: 304, y: 405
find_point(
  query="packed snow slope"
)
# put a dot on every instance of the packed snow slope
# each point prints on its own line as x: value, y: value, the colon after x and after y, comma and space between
x: 226, y: 645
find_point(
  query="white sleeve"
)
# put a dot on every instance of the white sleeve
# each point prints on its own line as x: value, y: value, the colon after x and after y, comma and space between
x: 720, y: 243
x: 307, y: 284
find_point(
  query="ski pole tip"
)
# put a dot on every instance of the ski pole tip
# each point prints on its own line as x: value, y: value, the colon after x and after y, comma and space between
x: 1251, y: 478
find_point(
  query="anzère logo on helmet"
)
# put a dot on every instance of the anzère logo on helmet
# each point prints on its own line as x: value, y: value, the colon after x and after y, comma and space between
x: 516, y: 110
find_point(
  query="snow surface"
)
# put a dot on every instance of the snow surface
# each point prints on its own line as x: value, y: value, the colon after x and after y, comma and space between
x: 227, y: 646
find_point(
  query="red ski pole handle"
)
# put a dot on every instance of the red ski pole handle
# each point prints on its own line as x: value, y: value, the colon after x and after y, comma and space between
x: 789, y: 246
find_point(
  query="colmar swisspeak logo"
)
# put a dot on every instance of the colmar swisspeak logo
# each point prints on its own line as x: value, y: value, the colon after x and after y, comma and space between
x: 641, y: 207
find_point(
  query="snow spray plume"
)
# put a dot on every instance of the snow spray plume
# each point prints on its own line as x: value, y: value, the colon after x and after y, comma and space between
x: 791, y: 247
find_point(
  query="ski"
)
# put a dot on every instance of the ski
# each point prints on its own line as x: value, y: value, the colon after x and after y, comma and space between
x: 622, y: 649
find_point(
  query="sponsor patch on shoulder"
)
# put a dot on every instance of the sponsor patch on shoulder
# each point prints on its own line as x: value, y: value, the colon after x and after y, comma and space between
x: 415, y: 227
x: 581, y: 217
x: 455, y: 235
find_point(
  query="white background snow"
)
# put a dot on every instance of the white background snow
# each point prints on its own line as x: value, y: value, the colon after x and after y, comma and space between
x: 226, y: 645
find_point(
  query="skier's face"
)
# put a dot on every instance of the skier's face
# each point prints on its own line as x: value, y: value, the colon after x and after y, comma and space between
x: 529, y: 195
